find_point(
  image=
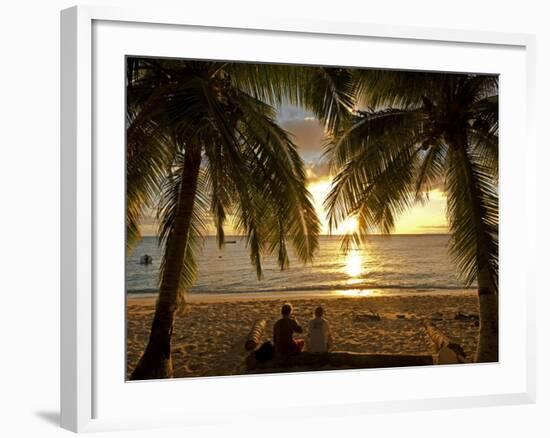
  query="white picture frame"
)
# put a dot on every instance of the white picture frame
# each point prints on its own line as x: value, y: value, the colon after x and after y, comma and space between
x: 85, y: 231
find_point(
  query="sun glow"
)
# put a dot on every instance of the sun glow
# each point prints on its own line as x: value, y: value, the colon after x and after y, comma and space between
x: 420, y: 219
x: 427, y: 218
x: 319, y: 190
x: 349, y: 226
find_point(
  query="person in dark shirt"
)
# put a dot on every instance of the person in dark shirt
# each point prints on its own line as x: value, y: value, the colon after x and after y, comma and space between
x: 283, y: 333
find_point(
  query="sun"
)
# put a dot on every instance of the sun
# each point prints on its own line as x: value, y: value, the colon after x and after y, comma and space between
x: 349, y: 226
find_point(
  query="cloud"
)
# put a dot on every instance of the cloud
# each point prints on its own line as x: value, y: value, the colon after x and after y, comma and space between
x: 290, y: 112
x: 307, y: 133
x: 317, y: 171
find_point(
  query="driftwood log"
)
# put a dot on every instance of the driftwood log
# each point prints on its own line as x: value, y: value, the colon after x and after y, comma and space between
x: 254, y: 338
x: 306, y: 361
x: 448, y: 352
x: 339, y: 360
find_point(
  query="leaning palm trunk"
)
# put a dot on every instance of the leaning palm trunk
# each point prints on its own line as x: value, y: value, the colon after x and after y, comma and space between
x: 487, y: 347
x: 156, y: 361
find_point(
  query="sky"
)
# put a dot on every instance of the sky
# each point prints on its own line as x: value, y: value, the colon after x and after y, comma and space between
x: 308, y: 135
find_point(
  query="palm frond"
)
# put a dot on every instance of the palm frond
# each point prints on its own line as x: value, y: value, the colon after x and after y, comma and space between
x: 273, y: 84
x: 378, y: 142
x: 387, y: 159
x: 484, y: 114
x: 430, y: 173
x: 273, y: 158
x: 383, y: 131
x: 149, y: 151
x: 220, y: 187
x: 266, y: 177
x: 328, y: 92
x: 399, y: 89
x: 485, y: 146
x: 473, y: 215
x: 248, y: 206
x: 375, y: 197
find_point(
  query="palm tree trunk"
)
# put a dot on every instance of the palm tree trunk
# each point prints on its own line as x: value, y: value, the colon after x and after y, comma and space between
x: 156, y: 361
x: 487, y: 347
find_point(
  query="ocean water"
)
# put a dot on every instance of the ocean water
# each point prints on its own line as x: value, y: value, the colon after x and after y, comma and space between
x: 396, y: 264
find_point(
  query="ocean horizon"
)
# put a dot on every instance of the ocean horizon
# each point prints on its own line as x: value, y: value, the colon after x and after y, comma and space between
x: 396, y: 264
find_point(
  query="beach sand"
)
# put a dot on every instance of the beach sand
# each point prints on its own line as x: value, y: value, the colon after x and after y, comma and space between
x: 209, y: 335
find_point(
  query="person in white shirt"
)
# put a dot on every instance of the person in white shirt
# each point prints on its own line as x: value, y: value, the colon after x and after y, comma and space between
x: 319, y: 336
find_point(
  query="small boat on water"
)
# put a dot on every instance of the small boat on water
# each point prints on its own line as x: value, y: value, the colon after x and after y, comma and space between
x: 230, y: 241
x: 145, y: 259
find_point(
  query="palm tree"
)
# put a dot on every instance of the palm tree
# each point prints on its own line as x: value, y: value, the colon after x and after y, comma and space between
x: 421, y: 131
x: 204, y: 144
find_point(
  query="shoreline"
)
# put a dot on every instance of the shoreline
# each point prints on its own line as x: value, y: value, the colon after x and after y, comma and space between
x: 209, y: 335
x: 212, y: 297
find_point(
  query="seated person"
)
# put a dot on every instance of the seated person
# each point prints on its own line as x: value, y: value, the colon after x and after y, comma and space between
x: 319, y: 336
x: 283, y: 332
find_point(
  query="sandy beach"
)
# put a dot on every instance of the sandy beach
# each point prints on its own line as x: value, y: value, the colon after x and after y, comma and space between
x: 209, y: 333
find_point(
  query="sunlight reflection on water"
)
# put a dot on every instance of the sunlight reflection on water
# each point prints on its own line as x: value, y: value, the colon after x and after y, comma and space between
x: 356, y: 293
x: 354, y: 264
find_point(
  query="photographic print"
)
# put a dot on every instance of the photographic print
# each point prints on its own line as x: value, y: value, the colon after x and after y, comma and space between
x: 289, y: 218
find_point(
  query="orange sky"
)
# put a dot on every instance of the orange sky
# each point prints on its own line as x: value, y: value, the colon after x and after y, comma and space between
x: 421, y: 219
x: 309, y: 136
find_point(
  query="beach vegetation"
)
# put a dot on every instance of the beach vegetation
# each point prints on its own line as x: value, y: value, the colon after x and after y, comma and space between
x: 204, y: 146
x: 412, y: 132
